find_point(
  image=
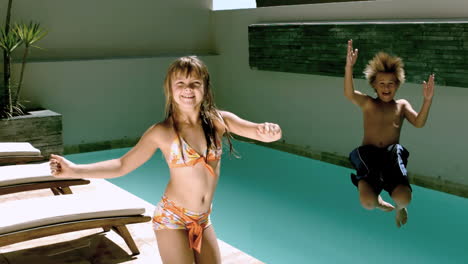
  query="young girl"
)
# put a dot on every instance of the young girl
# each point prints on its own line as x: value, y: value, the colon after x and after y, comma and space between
x: 190, y: 140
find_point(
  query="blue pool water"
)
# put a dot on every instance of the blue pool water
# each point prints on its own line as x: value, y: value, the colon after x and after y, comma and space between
x: 284, y: 208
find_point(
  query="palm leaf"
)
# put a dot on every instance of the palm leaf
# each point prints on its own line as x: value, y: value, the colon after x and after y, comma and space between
x: 9, y: 41
x: 18, y: 109
x: 29, y: 33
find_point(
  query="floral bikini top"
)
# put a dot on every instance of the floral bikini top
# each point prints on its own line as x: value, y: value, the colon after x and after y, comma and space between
x: 191, y: 156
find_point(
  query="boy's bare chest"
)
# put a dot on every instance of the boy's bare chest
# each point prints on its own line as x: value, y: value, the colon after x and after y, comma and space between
x: 384, y: 116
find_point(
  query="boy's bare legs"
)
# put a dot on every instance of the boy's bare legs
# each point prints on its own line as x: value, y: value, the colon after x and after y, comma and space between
x: 370, y: 200
x: 174, y: 247
x: 402, y: 197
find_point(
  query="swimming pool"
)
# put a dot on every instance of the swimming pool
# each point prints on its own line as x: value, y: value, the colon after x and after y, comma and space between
x: 284, y: 208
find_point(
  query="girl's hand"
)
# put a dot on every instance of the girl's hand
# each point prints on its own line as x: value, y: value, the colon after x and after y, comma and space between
x: 352, y: 55
x: 61, y: 167
x: 269, y: 131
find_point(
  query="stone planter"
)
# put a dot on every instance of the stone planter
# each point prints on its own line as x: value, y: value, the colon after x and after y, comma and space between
x: 43, y: 129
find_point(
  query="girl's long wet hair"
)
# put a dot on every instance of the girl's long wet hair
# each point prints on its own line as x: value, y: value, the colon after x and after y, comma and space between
x: 193, y: 66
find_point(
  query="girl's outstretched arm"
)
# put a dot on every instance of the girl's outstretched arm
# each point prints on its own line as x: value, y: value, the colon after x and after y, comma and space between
x: 139, y: 154
x: 265, y: 132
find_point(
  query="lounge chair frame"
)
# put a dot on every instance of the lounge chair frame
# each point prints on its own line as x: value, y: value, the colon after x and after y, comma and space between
x: 12, y: 160
x: 57, y: 187
x: 118, y: 224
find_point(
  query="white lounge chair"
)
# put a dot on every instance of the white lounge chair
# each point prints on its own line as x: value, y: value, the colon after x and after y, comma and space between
x: 28, y: 177
x: 18, y: 152
x: 33, y: 218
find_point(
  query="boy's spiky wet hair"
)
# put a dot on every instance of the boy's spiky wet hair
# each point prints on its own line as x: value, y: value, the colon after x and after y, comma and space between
x: 384, y: 62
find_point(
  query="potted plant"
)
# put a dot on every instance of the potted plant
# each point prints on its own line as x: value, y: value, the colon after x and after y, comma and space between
x: 43, y: 128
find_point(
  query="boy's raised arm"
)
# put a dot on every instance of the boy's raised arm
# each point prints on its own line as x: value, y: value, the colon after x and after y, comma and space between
x: 419, y: 119
x: 354, y: 96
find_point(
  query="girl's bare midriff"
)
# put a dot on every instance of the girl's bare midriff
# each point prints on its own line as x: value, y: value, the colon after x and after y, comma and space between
x: 193, y: 187
x: 190, y: 187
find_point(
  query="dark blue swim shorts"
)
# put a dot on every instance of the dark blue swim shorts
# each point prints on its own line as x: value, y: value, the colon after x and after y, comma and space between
x: 383, y: 168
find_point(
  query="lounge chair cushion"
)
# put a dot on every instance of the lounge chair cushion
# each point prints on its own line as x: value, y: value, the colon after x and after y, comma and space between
x: 14, y: 149
x: 41, y: 211
x: 27, y: 173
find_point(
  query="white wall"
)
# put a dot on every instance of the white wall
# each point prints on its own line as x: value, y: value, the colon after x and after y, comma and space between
x: 312, y: 109
x: 110, y: 28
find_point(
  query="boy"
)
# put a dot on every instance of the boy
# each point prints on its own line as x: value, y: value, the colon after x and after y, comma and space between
x: 380, y: 161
